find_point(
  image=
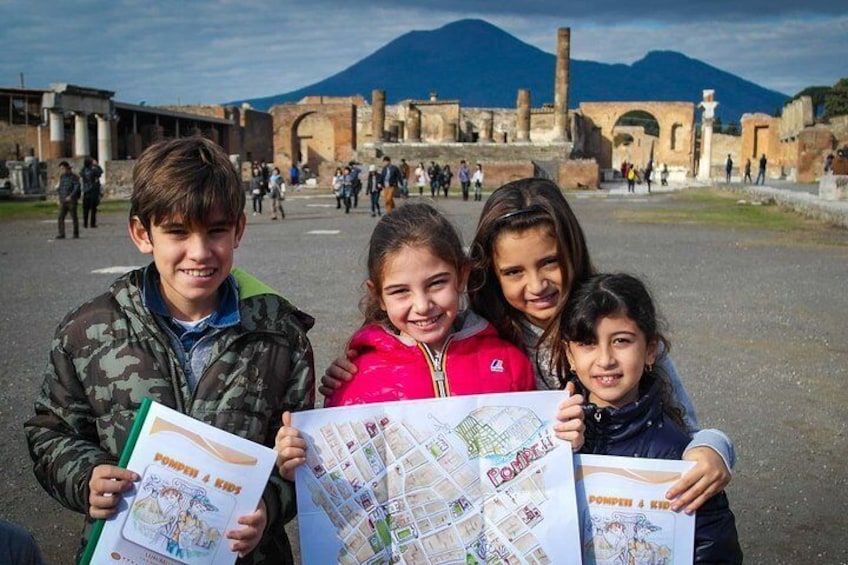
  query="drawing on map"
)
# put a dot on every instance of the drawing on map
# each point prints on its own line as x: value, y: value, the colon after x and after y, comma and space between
x: 459, y: 480
x: 176, y: 517
x: 618, y: 538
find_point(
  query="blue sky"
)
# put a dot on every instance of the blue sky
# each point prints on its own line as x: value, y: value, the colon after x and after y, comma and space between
x: 194, y: 51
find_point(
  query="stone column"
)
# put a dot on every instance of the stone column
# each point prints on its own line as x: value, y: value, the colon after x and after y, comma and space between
x: 708, y: 105
x: 522, y: 125
x: 57, y: 134
x: 82, y: 146
x: 378, y: 114
x: 104, y: 139
x: 563, y: 62
x: 413, y: 128
x: 488, y: 125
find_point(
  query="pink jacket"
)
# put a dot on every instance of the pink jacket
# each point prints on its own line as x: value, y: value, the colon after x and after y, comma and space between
x: 391, y: 367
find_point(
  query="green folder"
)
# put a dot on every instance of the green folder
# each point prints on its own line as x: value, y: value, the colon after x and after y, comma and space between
x: 140, y: 416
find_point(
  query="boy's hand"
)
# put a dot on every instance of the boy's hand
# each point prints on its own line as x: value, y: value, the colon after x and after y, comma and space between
x: 708, y: 477
x: 290, y: 448
x: 339, y: 372
x: 105, y: 487
x: 248, y: 537
x: 570, y: 417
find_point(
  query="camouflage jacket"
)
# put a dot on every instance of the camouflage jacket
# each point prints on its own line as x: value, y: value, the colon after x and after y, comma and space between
x: 110, y: 353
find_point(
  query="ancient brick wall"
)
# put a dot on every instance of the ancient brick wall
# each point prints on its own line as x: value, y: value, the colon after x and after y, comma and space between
x: 722, y: 145
x: 19, y: 141
x: 579, y: 174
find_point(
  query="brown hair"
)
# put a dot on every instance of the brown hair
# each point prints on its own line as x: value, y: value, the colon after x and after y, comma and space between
x: 188, y: 178
x: 415, y: 225
x: 516, y: 207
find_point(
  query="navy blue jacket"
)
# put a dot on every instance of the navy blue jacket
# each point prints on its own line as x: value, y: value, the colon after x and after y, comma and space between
x: 640, y: 429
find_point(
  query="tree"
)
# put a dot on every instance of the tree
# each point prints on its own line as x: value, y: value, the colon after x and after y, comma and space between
x: 836, y: 101
x: 817, y: 95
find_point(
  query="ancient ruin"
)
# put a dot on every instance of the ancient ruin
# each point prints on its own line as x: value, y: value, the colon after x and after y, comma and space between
x: 575, y: 147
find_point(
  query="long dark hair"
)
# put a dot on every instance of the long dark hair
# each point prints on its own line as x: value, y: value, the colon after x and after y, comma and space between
x: 607, y: 295
x: 516, y: 207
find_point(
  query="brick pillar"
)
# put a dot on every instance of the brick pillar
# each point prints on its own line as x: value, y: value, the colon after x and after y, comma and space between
x: 563, y: 61
x: 378, y: 114
x: 522, y: 125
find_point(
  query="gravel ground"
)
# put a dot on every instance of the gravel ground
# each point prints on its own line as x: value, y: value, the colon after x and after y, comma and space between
x: 757, y: 324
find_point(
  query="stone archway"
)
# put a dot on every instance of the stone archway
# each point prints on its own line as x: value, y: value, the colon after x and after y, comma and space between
x: 672, y: 118
x: 636, y: 135
x: 315, y: 133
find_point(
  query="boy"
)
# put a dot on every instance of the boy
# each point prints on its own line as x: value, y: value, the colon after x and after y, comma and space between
x: 221, y: 348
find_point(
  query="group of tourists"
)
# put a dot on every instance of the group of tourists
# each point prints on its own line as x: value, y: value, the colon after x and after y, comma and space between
x: 266, y: 179
x: 746, y: 178
x: 71, y: 187
x: 217, y: 344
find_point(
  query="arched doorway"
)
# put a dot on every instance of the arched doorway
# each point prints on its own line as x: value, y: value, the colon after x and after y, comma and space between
x: 635, y: 133
x: 313, y: 140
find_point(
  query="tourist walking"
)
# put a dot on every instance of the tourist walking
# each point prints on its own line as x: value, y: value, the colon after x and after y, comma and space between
x: 389, y: 181
x: 347, y: 189
x: 91, y: 191
x: 446, y: 177
x: 747, y: 177
x: 421, y: 178
x: 435, y: 174
x: 278, y: 193
x: 664, y: 175
x: 728, y: 168
x: 338, y: 177
x: 404, y: 178
x: 477, y: 181
x: 464, y: 174
x: 294, y: 176
x: 68, y: 191
x: 631, y: 178
x: 761, y: 174
x: 257, y: 190
x: 372, y: 189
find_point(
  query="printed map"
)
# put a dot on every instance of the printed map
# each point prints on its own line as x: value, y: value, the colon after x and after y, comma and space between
x: 474, y: 479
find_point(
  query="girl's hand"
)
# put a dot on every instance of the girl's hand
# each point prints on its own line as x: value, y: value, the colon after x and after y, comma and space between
x: 338, y: 373
x: 247, y: 538
x: 708, y: 477
x: 570, y: 418
x: 290, y: 448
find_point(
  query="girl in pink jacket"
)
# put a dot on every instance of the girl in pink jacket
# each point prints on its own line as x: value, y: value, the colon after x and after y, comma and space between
x: 416, y: 342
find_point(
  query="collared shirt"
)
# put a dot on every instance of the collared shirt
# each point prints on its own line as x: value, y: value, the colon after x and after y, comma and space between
x: 190, y: 340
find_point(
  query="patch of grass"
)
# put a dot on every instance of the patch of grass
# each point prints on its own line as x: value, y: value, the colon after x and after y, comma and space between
x: 28, y: 210
x: 712, y: 207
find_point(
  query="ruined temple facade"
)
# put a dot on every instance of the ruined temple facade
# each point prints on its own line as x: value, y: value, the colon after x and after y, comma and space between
x: 570, y: 147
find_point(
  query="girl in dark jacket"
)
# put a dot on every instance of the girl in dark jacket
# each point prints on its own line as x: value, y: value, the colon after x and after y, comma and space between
x: 612, y: 336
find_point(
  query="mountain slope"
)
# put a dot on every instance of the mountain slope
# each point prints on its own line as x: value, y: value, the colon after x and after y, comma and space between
x: 483, y: 66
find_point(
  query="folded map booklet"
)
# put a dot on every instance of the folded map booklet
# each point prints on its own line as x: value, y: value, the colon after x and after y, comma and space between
x: 196, y: 481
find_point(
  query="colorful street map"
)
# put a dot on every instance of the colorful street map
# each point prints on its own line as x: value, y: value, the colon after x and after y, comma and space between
x: 465, y: 480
